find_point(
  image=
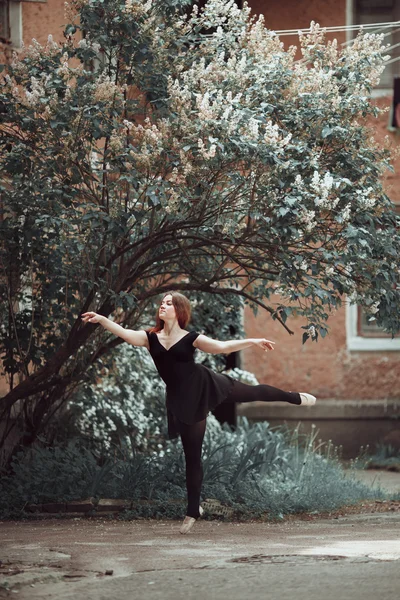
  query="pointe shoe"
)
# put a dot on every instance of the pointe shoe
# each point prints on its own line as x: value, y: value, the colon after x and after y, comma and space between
x: 188, y: 522
x: 307, y: 399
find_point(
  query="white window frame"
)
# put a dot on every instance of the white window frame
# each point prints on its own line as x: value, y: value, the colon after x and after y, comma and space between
x: 356, y: 342
x: 15, y: 17
x: 360, y: 343
x: 350, y: 10
x: 15, y: 12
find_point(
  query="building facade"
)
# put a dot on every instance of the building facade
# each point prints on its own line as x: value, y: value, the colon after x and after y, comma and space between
x: 355, y: 370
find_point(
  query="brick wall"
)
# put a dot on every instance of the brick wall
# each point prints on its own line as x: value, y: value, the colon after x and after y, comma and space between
x: 42, y: 18
x: 326, y: 368
x: 297, y: 14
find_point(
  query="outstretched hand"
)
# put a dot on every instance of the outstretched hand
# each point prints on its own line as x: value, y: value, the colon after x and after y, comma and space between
x: 264, y: 344
x: 91, y: 317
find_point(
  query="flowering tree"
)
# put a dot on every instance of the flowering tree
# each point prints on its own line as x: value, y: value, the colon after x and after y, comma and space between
x: 159, y: 148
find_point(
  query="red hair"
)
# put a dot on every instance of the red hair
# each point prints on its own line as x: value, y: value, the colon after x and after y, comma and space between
x: 183, y: 311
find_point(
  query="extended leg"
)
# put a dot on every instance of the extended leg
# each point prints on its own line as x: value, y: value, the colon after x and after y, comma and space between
x: 242, y: 392
x: 192, y: 440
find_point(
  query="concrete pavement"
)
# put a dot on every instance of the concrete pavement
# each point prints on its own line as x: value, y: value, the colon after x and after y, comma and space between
x: 354, y: 556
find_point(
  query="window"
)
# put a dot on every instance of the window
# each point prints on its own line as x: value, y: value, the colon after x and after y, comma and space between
x: 364, y: 335
x: 382, y: 11
x: 4, y: 22
x: 368, y: 328
x: 11, y: 21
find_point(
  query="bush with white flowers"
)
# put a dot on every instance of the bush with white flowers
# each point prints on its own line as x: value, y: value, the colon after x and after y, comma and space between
x: 125, y: 408
x: 242, y: 375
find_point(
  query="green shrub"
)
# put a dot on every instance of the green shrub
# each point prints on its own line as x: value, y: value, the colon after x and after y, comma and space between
x: 254, y: 469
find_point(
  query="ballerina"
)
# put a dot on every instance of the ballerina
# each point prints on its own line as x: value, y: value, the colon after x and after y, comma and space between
x: 192, y: 390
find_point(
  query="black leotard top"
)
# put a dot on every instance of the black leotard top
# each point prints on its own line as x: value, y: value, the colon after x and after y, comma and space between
x: 192, y: 389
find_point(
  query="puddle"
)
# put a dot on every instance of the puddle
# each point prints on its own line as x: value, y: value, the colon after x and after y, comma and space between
x: 373, y: 549
x: 286, y: 558
x: 354, y: 551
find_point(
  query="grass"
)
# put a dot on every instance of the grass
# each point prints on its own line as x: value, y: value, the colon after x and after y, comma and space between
x: 256, y: 471
x: 385, y: 457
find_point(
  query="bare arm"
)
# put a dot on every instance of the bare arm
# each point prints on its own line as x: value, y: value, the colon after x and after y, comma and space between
x: 206, y: 344
x: 135, y: 338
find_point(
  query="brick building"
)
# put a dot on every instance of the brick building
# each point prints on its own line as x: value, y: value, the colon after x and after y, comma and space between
x: 355, y: 371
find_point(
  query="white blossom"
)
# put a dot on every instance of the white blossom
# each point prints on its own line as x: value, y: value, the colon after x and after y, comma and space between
x: 304, y: 265
x: 63, y: 70
x: 106, y: 90
x: 241, y: 375
x: 311, y: 330
x: 204, y: 152
x: 253, y: 126
x: 137, y: 7
x: 308, y: 218
x: 366, y: 198
x: 345, y: 213
x: 374, y: 308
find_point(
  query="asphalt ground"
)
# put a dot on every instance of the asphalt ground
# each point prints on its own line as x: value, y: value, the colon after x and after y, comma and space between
x: 356, y: 556
x: 302, y: 558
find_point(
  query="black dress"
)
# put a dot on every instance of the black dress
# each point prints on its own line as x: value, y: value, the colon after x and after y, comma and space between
x: 192, y: 389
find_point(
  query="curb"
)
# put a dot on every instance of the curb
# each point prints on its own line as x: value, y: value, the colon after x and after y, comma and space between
x: 104, y: 505
x: 112, y: 505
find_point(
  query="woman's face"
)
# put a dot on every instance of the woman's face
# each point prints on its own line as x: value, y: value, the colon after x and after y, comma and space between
x: 167, y: 309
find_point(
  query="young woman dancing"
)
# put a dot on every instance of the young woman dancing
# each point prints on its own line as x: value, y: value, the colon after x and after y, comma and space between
x: 193, y: 389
